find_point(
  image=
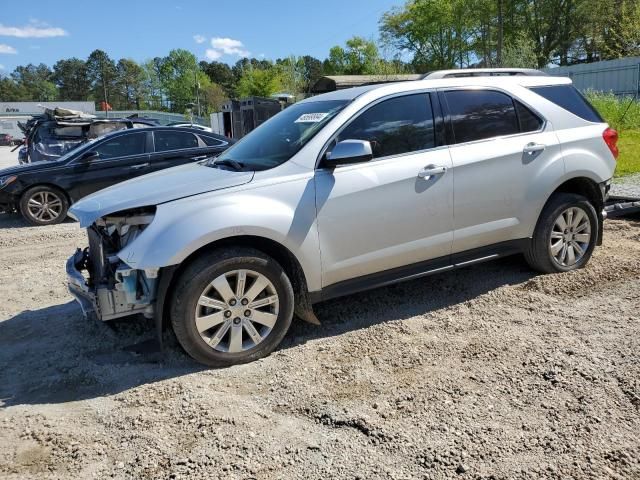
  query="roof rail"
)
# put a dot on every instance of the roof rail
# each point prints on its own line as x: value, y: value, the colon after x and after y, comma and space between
x: 483, y: 72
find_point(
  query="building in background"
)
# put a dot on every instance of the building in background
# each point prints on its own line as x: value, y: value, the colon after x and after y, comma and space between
x: 13, y: 112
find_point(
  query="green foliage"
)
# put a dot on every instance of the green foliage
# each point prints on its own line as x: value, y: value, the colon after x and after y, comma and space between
x: 629, y: 159
x: 72, y: 79
x: 448, y: 33
x: 519, y: 54
x: 437, y: 32
x: 259, y: 82
x: 35, y: 81
x: 102, y: 74
x: 621, y: 113
x: 179, y: 76
x: 213, y: 96
x: 360, y: 57
x: 130, y: 84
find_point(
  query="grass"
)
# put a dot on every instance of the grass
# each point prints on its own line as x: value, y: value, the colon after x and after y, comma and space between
x: 629, y: 159
x: 623, y: 114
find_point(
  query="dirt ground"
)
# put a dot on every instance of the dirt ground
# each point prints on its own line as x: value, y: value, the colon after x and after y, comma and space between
x: 486, y: 372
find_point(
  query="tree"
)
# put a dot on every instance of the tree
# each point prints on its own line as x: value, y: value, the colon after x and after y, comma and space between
x: 130, y: 84
x: 10, y: 91
x: 311, y: 72
x: 102, y: 73
x: 221, y: 74
x: 437, y: 32
x: 291, y: 71
x: 35, y: 82
x: 259, y: 82
x: 519, y: 53
x: 155, y: 96
x: 214, y: 96
x: 71, y: 78
x: 180, y: 77
x: 360, y: 57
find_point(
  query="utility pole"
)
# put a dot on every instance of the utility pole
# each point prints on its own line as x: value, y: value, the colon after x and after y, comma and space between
x: 104, y: 88
x: 195, y: 77
x: 500, y: 33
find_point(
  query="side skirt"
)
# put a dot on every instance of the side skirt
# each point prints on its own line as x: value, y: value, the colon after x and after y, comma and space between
x: 421, y: 269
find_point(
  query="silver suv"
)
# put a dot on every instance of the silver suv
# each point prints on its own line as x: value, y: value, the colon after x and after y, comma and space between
x: 344, y: 192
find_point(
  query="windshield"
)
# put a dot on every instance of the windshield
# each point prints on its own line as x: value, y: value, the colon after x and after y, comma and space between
x: 277, y: 140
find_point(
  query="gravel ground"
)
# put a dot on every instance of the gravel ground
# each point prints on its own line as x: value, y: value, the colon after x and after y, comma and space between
x: 628, y: 186
x: 486, y: 372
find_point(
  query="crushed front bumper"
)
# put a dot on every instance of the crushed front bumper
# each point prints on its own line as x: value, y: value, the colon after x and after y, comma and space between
x: 108, y: 302
x: 77, y: 285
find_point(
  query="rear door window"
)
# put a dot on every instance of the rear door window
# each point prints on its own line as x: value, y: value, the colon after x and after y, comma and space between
x: 481, y: 114
x: 122, y: 145
x: 167, y: 140
x: 567, y: 97
x: 395, y: 126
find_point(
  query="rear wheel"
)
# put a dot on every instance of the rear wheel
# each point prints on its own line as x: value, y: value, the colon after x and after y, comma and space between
x: 232, y: 306
x: 44, y: 205
x: 565, y: 236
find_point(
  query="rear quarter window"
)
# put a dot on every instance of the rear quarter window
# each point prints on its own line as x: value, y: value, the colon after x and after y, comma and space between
x: 567, y: 97
x: 210, y: 142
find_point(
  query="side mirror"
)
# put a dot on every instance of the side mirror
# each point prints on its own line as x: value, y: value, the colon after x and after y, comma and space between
x: 349, y: 151
x: 90, y: 156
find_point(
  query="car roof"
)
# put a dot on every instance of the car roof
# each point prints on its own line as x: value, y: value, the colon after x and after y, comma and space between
x: 349, y: 94
x: 164, y: 127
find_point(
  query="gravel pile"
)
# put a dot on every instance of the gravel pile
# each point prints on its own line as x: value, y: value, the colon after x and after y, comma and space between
x: 485, y: 372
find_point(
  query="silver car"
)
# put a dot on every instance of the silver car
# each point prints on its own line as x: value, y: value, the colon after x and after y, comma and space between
x: 344, y: 192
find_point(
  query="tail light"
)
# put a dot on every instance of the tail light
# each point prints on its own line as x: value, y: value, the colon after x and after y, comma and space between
x: 610, y: 137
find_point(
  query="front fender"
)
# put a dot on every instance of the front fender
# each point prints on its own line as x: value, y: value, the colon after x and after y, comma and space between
x: 282, y: 212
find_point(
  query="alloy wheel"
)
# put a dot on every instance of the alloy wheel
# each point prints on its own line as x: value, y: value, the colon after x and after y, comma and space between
x: 45, y: 206
x: 237, y: 311
x: 570, y: 237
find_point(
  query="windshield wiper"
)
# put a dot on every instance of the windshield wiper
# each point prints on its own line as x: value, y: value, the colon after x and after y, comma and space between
x: 227, y: 162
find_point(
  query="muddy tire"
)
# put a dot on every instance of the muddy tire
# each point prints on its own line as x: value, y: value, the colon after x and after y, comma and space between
x: 565, y: 235
x: 231, y: 306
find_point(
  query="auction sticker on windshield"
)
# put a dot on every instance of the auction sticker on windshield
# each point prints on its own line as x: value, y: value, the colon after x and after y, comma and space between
x: 311, y: 117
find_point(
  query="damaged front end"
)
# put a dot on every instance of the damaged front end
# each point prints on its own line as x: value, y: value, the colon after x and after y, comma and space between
x: 103, y: 284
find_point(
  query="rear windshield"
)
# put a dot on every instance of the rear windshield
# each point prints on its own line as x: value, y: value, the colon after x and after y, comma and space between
x: 567, y: 97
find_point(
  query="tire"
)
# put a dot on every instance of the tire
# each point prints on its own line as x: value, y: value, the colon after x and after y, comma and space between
x: 573, y: 240
x: 197, y: 303
x: 53, y: 200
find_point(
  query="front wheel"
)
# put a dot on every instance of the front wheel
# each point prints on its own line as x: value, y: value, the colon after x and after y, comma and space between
x: 565, y: 236
x: 44, y: 205
x: 232, y: 306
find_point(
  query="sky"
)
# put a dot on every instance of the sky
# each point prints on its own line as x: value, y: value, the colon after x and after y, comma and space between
x: 44, y: 31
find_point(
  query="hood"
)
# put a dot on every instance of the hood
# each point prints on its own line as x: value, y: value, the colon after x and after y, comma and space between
x: 30, y: 167
x: 156, y: 188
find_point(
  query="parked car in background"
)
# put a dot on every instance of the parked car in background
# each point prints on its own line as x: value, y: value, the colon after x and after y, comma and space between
x: 191, y: 125
x: 6, y: 140
x: 58, y: 131
x: 348, y: 191
x: 43, y: 191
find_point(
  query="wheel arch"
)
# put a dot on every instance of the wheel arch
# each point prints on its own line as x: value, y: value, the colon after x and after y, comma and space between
x: 281, y: 254
x: 589, y: 189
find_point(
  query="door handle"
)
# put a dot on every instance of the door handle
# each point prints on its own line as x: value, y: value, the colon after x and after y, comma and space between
x: 532, y: 148
x: 139, y: 166
x: 431, y: 170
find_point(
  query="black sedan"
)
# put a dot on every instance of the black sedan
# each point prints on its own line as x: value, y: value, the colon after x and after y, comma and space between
x: 43, y: 191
